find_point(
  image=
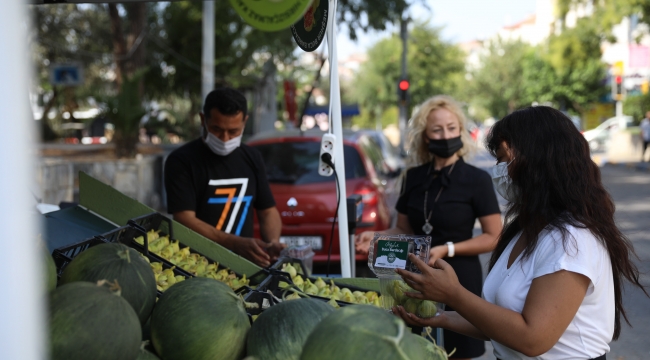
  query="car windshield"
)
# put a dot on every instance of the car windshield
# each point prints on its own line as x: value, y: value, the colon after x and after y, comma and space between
x: 297, y: 162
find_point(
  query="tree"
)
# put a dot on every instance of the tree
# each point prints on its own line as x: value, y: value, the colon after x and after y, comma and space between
x: 371, y: 14
x: 125, y: 111
x: 433, y: 65
x: 606, y: 13
x: 129, y: 39
x: 165, y: 39
x: 637, y: 106
x: 567, y: 71
x: 497, y: 85
x: 242, y: 50
x: 63, y: 34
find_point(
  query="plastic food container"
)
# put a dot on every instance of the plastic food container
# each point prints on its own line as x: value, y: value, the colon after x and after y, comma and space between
x: 390, y: 252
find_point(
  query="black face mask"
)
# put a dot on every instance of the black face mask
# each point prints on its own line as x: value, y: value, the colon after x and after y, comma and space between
x: 445, y: 148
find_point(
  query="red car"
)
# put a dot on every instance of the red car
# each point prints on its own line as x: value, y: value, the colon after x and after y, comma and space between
x: 307, y: 201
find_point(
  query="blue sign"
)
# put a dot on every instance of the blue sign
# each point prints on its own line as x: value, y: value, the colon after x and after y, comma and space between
x: 66, y: 75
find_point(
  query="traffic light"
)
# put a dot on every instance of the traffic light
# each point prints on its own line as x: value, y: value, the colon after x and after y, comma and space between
x: 402, y: 89
x: 617, y: 88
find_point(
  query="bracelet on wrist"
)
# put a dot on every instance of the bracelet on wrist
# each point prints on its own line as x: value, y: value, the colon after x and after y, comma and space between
x: 451, y: 250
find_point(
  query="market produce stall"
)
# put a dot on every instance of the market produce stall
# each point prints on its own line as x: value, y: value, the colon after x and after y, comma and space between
x: 152, y: 288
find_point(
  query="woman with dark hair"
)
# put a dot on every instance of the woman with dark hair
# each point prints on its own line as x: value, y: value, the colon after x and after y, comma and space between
x: 554, y: 290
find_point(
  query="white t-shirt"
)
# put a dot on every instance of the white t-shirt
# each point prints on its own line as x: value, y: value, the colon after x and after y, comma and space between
x: 592, y: 328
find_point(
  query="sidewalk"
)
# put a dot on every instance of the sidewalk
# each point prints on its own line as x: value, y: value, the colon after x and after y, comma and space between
x: 601, y: 160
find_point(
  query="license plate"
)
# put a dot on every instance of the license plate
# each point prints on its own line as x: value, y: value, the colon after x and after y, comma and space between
x: 316, y: 242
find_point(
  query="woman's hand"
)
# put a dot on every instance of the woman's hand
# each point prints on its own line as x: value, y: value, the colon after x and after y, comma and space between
x: 412, y: 319
x: 362, y: 242
x: 437, y: 252
x: 437, y: 283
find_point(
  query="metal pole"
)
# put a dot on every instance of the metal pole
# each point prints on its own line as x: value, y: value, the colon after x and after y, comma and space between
x: 22, y: 304
x: 353, y: 253
x: 337, y: 125
x: 207, y: 61
x: 403, y: 105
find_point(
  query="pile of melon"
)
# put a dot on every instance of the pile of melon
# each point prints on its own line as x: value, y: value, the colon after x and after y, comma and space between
x: 106, y: 300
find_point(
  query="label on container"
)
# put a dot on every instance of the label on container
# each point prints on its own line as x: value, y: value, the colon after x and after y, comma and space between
x: 392, y: 254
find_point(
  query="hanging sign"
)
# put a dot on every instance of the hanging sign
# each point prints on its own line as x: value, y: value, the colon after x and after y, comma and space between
x: 310, y: 31
x: 66, y: 74
x: 270, y: 15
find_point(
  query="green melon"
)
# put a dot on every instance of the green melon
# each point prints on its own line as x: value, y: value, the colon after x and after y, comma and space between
x: 433, y: 351
x: 114, y: 261
x: 50, y: 270
x: 199, y: 319
x: 88, y: 321
x: 281, y: 330
x: 362, y: 332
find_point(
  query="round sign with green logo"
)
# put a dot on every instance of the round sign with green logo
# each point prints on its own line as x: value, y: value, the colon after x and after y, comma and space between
x: 270, y: 15
x: 391, y: 257
x: 310, y: 31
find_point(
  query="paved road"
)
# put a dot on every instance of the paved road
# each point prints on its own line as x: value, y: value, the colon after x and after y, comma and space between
x: 630, y: 190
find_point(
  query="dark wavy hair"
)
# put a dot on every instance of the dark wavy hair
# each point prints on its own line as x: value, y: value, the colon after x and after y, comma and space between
x: 557, y: 184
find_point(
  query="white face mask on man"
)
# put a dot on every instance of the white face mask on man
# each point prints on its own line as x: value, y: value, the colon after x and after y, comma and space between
x: 218, y: 146
x: 502, y: 181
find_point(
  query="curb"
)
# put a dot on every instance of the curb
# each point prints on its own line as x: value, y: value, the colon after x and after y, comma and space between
x: 638, y: 166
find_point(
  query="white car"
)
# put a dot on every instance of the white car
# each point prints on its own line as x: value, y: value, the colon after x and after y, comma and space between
x: 598, y: 137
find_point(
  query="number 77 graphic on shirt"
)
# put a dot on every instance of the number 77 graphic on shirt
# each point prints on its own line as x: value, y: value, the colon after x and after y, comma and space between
x: 228, y: 187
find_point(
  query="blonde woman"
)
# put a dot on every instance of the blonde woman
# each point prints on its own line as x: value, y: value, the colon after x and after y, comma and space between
x: 442, y: 197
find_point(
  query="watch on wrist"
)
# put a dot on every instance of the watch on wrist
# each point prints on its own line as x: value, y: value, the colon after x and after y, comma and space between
x: 450, y: 249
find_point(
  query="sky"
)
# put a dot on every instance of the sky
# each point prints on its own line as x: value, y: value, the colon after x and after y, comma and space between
x: 462, y: 20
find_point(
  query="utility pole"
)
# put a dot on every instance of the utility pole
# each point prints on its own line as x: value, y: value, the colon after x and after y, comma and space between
x: 23, y: 301
x: 207, y: 56
x: 403, y: 102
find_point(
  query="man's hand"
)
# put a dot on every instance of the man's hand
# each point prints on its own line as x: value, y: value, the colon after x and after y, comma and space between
x: 362, y: 242
x: 253, y: 250
x: 274, y: 249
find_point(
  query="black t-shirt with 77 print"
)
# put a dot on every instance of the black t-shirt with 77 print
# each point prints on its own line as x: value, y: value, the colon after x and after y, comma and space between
x: 221, y: 190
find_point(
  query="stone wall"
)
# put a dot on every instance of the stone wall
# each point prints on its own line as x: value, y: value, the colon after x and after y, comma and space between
x: 55, y: 180
x: 139, y: 178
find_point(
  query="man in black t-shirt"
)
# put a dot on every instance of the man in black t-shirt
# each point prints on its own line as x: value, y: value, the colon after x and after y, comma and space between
x: 214, y: 182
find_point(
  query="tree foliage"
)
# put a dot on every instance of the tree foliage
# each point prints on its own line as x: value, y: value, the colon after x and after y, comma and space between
x: 68, y: 33
x: 607, y: 13
x: 637, y: 106
x: 498, y: 85
x: 565, y: 71
x: 571, y: 73
x: 114, y: 41
x: 432, y: 67
x: 371, y: 14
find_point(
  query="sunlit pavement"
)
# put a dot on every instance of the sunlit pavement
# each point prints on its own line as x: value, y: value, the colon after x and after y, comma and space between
x: 629, y: 186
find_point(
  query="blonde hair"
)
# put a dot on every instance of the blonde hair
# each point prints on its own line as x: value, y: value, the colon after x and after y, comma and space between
x: 418, y: 151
